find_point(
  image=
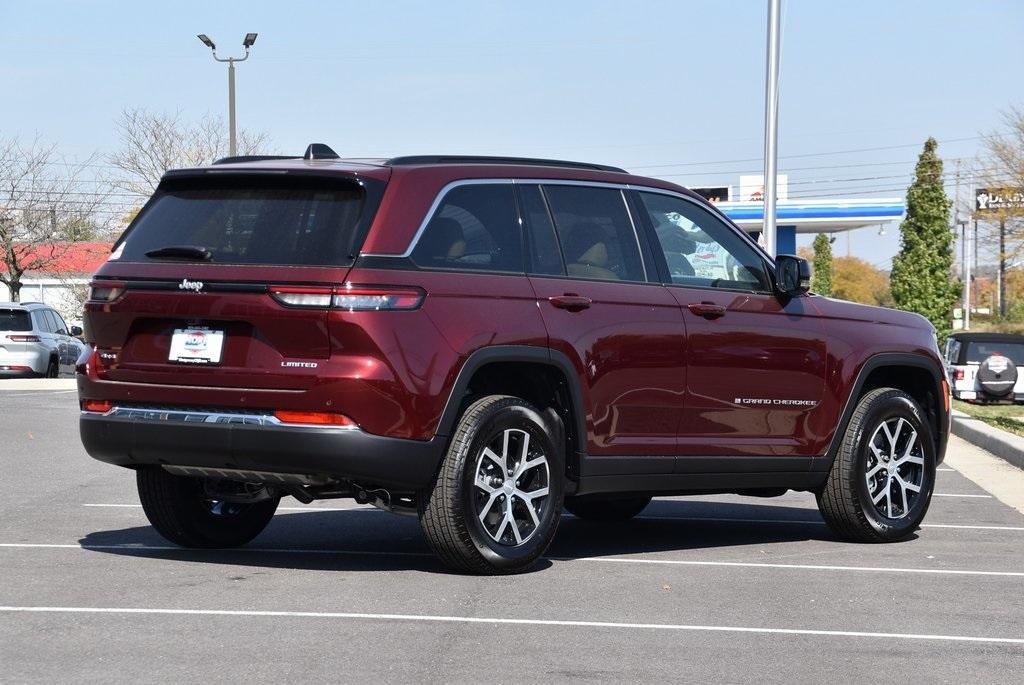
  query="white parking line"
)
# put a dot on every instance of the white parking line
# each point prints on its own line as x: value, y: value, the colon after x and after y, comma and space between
x: 711, y: 519
x: 943, y: 468
x: 600, y: 559
x: 426, y: 618
x: 950, y: 494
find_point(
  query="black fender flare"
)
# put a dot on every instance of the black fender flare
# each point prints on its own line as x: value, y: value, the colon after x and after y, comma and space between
x: 514, y: 353
x: 882, y: 360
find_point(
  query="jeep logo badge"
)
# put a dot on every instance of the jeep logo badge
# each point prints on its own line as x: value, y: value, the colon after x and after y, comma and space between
x: 194, y: 286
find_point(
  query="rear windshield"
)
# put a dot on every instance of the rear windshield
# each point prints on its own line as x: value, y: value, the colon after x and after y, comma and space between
x: 14, y: 320
x: 980, y: 351
x: 248, y: 220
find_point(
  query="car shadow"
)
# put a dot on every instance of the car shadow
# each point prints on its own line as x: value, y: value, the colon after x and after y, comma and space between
x: 370, y: 540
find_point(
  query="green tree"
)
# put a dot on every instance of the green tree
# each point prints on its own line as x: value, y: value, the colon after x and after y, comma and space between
x: 921, y: 278
x: 821, y: 275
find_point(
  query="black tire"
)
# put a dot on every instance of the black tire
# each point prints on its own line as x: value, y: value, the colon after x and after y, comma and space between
x: 449, y: 511
x: 606, y: 507
x: 53, y: 369
x: 845, y: 501
x: 997, y: 376
x: 181, y: 511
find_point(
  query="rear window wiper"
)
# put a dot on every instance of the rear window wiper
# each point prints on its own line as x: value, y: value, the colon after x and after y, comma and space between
x: 188, y: 253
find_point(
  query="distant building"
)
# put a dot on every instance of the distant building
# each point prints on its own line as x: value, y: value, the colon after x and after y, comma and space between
x: 745, y: 206
x: 61, y: 283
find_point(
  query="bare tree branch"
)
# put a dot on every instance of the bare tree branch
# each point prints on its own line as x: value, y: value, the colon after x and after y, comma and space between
x: 45, y: 205
x: 152, y: 143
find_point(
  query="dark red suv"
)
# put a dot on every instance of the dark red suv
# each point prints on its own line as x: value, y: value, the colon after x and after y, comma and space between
x: 482, y: 342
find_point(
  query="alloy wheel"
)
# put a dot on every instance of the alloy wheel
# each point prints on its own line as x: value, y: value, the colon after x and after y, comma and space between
x: 894, y: 468
x: 510, y: 490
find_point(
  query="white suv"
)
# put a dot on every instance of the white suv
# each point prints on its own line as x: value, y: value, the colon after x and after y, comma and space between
x: 986, y: 367
x: 35, y: 341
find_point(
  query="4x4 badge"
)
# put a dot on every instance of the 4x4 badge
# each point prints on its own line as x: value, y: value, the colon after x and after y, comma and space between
x: 194, y: 286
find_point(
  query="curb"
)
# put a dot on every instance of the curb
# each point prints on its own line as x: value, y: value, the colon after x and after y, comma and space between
x: 1006, y: 446
x: 38, y: 384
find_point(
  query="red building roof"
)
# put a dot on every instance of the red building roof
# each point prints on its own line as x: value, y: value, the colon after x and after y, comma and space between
x: 63, y: 258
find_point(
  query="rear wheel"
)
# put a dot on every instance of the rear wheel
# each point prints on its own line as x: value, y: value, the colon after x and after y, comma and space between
x: 53, y: 369
x: 183, y: 510
x: 606, y: 507
x: 497, y: 499
x: 881, y: 482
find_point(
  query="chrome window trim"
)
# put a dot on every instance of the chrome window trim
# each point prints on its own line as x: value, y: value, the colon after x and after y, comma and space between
x: 569, y: 182
x: 205, y: 417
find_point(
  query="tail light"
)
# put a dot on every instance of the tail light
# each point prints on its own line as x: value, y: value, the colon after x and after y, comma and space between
x: 349, y: 297
x: 23, y: 338
x: 97, y: 406
x: 316, y: 418
x: 105, y: 291
x: 958, y: 374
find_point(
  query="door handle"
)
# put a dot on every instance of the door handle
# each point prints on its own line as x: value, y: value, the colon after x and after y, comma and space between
x: 570, y: 302
x: 709, y: 310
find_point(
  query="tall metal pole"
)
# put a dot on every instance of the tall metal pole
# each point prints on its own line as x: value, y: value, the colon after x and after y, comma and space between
x: 771, y: 126
x: 1002, y: 268
x: 250, y: 39
x: 967, y: 279
x: 232, y: 147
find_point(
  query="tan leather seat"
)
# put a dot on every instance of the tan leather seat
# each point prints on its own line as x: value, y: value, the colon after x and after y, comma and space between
x: 593, y: 264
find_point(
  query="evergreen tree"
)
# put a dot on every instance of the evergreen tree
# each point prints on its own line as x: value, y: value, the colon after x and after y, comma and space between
x: 821, y: 275
x: 921, y: 278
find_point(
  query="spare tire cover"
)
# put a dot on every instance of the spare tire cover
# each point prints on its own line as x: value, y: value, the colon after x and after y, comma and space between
x: 997, y: 375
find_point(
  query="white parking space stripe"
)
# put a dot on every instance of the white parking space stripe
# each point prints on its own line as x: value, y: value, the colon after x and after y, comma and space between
x: 950, y: 494
x: 711, y: 519
x: 943, y: 468
x: 601, y: 559
x: 426, y: 618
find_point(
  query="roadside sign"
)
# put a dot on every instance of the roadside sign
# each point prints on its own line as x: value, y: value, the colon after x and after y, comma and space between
x: 997, y: 199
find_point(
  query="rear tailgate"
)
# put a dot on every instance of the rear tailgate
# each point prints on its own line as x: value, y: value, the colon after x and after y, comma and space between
x: 236, y: 239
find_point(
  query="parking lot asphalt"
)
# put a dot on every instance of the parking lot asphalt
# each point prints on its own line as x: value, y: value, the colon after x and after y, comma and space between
x: 703, y: 589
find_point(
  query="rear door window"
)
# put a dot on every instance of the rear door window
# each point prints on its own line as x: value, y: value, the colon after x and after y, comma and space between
x: 251, y: 220
x: 475, y: 228
x: 15, y: 320
x: 595, y: 233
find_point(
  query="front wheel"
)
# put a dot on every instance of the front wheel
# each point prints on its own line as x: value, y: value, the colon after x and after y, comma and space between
x: 495, y: 504
x: 881, y: 482
x: 183, y: 510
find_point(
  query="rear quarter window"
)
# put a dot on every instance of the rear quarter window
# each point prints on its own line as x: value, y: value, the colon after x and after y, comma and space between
x: 15, y: 320
x: 249, y: 220
x: 475, y: 228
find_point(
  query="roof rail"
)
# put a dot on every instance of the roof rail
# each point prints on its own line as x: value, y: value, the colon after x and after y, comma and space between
x: 252, y: 158
x: 473, y: 159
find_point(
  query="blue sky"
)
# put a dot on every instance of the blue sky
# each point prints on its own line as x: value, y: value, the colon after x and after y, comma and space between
x: 640, y: 85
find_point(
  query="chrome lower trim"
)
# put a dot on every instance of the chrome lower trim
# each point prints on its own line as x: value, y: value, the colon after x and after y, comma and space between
x: 187, y: 416
x: 247, y: 476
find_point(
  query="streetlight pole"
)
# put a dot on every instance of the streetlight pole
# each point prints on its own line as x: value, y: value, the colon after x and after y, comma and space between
x: 247, y: 43
x: 771, y: 126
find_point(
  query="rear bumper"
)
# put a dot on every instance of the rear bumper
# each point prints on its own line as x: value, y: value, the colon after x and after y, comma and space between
x: 350, y: 454
x: 35, y: 360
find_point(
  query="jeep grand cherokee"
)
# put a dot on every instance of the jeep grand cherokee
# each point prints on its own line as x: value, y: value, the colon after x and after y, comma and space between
x: 484, y: 342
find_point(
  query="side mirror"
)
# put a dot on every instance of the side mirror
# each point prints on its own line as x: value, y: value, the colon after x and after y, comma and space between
x: 76, y: 331
x: 792, y: 274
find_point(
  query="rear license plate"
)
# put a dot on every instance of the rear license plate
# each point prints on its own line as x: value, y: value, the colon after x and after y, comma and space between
x: 196, y: 346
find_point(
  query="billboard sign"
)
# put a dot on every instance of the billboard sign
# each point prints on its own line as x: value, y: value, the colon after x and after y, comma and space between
x: 991, y: 200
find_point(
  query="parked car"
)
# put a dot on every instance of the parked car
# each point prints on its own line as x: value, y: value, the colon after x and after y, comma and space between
x: 986, y: 367
x: 35, y: 341
x: 482, y: 342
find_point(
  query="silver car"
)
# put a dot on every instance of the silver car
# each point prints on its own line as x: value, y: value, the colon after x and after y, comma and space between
x: 35, y: 341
